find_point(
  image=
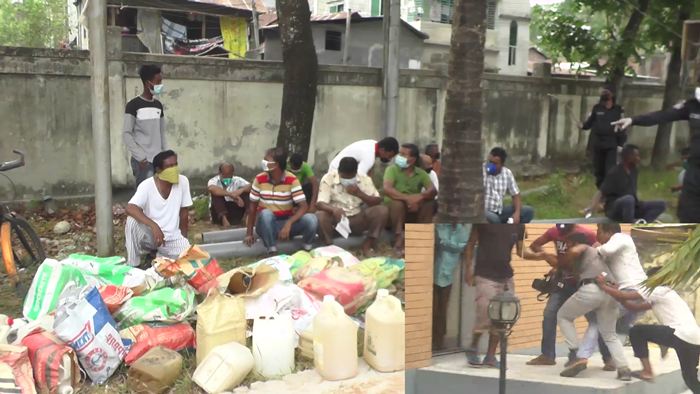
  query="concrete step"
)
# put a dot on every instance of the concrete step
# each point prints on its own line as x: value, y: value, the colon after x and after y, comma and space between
x: 451, y: 374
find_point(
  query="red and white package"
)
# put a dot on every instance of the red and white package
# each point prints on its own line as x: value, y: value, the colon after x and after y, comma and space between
x: 86, y: 325
x: 145, y: 337
x: 54, y: 363
x: 16, y: 375
x: 115, y: 296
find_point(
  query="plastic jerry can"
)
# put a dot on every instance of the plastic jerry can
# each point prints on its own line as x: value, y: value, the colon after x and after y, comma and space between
x: 5, y: 327
x: 335, y: 342
x: 385, y: 333
x: 306, y: 343
x: 224, y: 368
x: 273, y: 345
x: 155, y: 371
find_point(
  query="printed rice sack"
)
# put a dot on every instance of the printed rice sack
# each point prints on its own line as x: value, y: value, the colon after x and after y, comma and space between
x: 50, y: 280
x: 350, y: 289
x: 54, y: 363
x: 146, y: 336
x: 198, y: 267
x: 15, y: 370
x: 108, y: 271
x: 385, y: 271
x: 165, y: 305
x: 316, y: 265
x: 115, y: 296
x: 281, y: 263
x: 333, y: 251
x: 86, y: 326
x: 299, y: 258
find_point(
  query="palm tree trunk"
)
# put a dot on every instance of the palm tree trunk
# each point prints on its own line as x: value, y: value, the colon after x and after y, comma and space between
x: 672, y: 94
x: 300, y: 76
x: 461, y: 197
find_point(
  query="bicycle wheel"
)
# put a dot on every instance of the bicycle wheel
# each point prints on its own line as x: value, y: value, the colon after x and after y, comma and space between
x: 26, y: 244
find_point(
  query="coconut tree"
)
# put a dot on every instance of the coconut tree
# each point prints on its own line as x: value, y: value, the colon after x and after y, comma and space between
x: 681, y: 267
x: 461, y: 180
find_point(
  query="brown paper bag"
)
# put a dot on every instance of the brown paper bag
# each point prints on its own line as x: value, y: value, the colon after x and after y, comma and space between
x: 248, y: 281
x: 220, y: 320
x: 16, y: 372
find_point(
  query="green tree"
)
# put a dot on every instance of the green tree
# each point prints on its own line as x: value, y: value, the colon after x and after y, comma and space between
x: 33, y: 23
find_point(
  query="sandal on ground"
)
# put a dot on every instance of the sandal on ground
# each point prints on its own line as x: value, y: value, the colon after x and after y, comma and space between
x: 638, y: 375
x: 541, y: 360
x: 491, y: 362
x: 575, y: 368
x: 473, y: 358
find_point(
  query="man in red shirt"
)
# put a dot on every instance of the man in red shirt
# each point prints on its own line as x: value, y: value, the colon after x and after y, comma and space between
x: 557, y: 234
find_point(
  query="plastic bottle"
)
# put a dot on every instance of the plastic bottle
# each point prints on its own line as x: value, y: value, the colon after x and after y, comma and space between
x: 224, y: 368
x: 65, y: 372
x: 5, y: 327
x: 385, y: 333
x: 155, y: 371
x: 335, y: 342
x: 21, y: 328
x: 273, y: 345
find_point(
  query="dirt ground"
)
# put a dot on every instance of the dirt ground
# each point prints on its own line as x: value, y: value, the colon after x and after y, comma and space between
x: 82, y: 239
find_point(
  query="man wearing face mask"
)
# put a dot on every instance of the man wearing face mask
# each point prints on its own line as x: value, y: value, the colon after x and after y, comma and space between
x: 158, y: 216
x: 689, y: 200
x: 305, y: 174
x: 228, y: 196
x: 607, y: 142
x: 144, y: 124
x: 278, y: 207
x: 498, y: 179
x: 403, y: 183
x: 366, y: 152
x: 685, y: 155
x: 342, y: 194
x: 433, y: 150
x: 620, y: 191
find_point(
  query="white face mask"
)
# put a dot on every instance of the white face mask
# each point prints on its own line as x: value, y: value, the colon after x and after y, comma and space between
x: 697, y: 94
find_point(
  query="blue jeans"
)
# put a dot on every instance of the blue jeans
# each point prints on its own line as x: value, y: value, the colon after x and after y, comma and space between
x: 268, y: 228
x: 527, y: 213
x: 141, y: 174
x: 549, y: 321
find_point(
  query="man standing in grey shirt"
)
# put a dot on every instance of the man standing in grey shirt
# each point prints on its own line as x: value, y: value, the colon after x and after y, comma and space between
x: 144, y: 124
x: 587, y: 264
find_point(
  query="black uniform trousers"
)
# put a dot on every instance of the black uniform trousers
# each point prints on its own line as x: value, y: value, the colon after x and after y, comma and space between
x: 603, y: 161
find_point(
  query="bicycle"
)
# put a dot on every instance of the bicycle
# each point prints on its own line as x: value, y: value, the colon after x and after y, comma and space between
x: 20, y: 246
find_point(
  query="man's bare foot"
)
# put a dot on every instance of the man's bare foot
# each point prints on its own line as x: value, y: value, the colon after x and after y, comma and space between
x: 646, y: 376
x: 225, y: 223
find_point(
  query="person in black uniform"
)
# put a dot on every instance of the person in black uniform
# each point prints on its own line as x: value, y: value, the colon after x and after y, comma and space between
x: 689, y: 200
x: 606, y: 141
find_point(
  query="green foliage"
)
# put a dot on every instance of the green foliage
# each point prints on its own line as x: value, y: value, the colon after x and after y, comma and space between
x: 201, y: 208
x: 682, y: 267
x: 33, y: 23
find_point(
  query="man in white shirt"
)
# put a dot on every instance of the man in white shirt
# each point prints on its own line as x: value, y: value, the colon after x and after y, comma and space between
x: 366, y: 152
x: 427, y: 166
x: 678, y: 329
x: 620, y: 254
x: 229, y: 196
x: 158, y: 216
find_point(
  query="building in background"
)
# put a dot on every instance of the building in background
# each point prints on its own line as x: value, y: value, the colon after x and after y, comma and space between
x: 366, y: 41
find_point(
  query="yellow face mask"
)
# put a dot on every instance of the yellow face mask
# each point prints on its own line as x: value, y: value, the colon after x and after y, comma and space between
x: 170, y: 175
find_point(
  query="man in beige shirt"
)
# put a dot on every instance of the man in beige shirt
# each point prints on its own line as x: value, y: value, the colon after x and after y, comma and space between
x: 343, y: 193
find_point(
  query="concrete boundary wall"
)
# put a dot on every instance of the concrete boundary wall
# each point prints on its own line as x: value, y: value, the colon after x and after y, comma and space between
x: 229, y: 110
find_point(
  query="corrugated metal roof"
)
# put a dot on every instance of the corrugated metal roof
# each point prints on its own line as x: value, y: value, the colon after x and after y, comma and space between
x: 243, y: 4
x: 338, y: 16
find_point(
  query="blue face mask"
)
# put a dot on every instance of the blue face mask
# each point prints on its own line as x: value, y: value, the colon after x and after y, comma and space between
x: 348, y: 182
x: 157, y: 89
x: 492, y: 169
x: 401, y: 162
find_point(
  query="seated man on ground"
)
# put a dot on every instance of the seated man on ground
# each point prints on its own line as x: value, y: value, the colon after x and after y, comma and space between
x: 498, y: 179
x: 309, y: 183
x: 428, y: 166
x: 158, y: 216
x: 342, y: 194
x: 228, y: 196
x: 678, y: 329
x: 433, y: 150
x: 403, y: 183
x: 278, y: 208
x: 620, y: 191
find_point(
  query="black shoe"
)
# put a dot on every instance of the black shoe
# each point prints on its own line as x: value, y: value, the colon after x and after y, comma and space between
x: 148, y: 260
x: 624, y: 374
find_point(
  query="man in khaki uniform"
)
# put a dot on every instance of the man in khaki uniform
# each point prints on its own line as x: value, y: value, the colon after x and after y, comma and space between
x: 343, y: 193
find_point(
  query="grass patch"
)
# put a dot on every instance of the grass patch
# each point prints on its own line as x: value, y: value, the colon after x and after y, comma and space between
x: 567, y: 195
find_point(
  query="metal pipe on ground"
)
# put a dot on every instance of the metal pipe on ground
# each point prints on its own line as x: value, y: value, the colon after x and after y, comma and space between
x: 237, y: 249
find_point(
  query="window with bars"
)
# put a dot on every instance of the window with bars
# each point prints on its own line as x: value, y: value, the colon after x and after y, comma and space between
x: 341, y: 8
x: 491, y: 14
x: 334, y: 40
x: 512, y: 42
x: 446, y: 7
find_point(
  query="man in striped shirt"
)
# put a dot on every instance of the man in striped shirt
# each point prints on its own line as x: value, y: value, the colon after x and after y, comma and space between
x: 278, y: 204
